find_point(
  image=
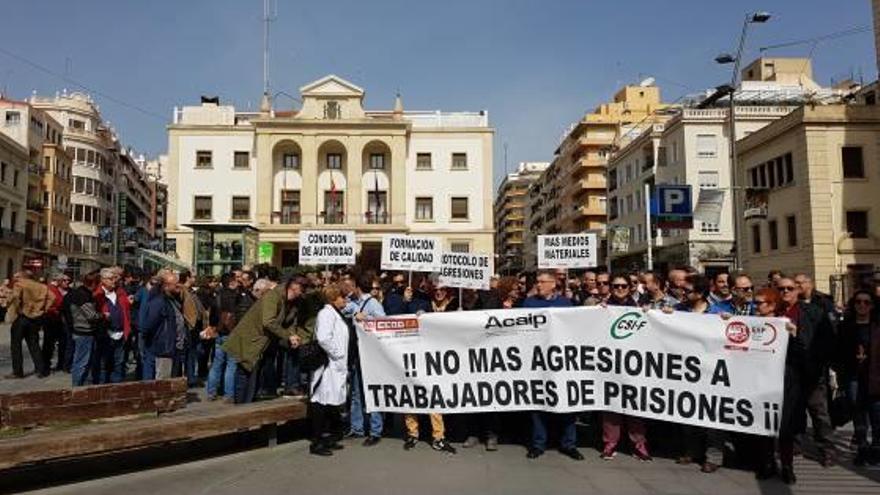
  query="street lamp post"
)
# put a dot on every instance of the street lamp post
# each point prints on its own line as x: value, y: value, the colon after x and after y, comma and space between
x: 726, y: 58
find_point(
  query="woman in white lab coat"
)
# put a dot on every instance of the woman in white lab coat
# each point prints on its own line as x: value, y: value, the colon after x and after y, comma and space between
x: 329, y: 382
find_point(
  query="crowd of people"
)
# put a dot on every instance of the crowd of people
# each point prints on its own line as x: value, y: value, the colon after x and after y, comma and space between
x: 252, y: 334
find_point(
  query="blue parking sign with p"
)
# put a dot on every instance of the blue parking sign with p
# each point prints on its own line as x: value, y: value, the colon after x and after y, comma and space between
x: 672, y: 207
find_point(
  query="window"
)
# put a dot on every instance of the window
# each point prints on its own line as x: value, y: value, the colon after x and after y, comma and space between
x: 202, y: 206
x: 80, y: 154
x: 756, y: 238
x: 3, y: 167
x: 77, y: 213
x: 377, y: 207
x: 853, y: 164
x: 459, y: 208
x: 333, y: 209
x: 708, y: 180
x: 377, y: 161
x: 789, y: 168
x: 423, y: 161
x: 460, y: 247
x: 773, y: 226
x: 76, y: 124
x: 707, y: 147
x: 241, y: 208
x: 709, y: 228
x: 241, y: 159
x: 334, y: 161
x: 79, y: 184
x: 459, y: 161
x: 791, y: 227
x: 203, y: 159
x: 857, y: 224
x: 290, y: 213
x: 290, y: 161
x: 15, y: 178
x: 424, y: 208
x: 13, y: 118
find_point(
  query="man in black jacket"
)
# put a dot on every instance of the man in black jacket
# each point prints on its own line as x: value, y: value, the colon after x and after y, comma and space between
x: 817, y: 334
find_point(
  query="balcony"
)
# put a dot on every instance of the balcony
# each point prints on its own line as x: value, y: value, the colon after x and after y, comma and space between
x: 38, y: 244
x: 286, y: 218
x: 35, y: 206
x: 11, y: 238
x: 332, y: 218
x: 371, y: 218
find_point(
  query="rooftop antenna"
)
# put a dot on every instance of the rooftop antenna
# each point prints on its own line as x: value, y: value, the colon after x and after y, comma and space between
x: 270, y: 13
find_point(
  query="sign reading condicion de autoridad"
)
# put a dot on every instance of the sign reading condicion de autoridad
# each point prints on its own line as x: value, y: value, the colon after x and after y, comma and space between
x: 410, y: 252
x: 684, y: 367
x: 326, y: 247
x: 567, y: 251
x: 466, y: 270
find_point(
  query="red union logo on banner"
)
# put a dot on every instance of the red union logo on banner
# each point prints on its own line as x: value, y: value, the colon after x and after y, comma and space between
x: 737, y: 332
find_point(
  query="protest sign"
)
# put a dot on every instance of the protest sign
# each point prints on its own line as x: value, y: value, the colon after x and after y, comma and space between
x: 466, y: 270
x: 567, y: 251
x: 326, y: 247
x: 411, y: 253
x: 686, y: 368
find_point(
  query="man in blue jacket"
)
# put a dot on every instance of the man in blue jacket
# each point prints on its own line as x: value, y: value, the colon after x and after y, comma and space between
x: 163, y: 325
x: 549, y: 297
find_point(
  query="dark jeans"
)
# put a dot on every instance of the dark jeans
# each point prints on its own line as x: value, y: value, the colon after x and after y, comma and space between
x: 111, y: 360
x: 54, y: 335
x: 268, y: 370
x: 817, y: 406
x: 193, y: 355
x: 245, y: 384
x: 483, y: 425
x: 27, y: 330
x: 293, y: 377
x: 148, y: 361
x: 866, y: 410
x: 567, y: 434
x: 83, y: 354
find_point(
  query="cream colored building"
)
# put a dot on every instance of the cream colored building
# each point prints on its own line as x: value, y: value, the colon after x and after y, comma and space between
x: 48, y: 199
x: 821, y: 212
x: 570, y: 196
x: 13, y: 197
x: 510, y: 215
x: 238, y: 179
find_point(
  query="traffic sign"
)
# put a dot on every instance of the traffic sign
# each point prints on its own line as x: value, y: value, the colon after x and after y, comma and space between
x: 672, y: 207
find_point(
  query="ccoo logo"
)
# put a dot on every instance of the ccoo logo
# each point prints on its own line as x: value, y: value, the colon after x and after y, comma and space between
x: 628, y: 325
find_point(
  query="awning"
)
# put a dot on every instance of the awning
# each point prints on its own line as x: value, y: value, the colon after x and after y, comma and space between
x: 162, y: 259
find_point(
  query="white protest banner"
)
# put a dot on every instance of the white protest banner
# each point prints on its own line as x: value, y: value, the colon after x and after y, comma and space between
x: 466, y: 270
x: 688, y: 368
x: 567, y: 251
x: 411, y: 253
x: 326, y: 247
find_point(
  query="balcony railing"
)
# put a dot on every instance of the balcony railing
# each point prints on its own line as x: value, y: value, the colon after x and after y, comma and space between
x: 286, y: 218
x: 11, y: 237
x: 36, y: 244
x: 377, y: 218
x: 332, y: 218
x: 35, y: 206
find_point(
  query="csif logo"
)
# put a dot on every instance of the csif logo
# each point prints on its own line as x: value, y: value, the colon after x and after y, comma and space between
x: 529, y: 320
x: 628, y: 325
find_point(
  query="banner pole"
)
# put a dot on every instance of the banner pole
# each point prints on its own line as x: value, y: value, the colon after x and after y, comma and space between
x: 460, y: 301
x: 649, y: 237
x: 409, y: 282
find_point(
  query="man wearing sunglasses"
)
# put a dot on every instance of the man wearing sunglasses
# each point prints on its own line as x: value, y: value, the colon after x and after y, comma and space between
x: 548, y: 297
x: 817, y: 335
x: 741, y: 302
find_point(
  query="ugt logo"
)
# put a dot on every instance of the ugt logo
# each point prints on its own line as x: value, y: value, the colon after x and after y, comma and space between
x: 628, y: 325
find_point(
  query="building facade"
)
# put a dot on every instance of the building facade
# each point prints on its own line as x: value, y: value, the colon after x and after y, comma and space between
x: 239, y: 179
x: 570, y: 196
x: 510, y: 215
x: 819, y: 211
x: 48, y: 197
x: 690, y: 147
x: 13, y: 203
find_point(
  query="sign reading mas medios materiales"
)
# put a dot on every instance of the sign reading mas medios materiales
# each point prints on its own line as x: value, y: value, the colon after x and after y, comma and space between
x: 326, y: 247
x: 411, y: 253
x: 567, y: 251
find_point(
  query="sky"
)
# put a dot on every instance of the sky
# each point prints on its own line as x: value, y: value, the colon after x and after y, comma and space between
x: 535, y: 65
